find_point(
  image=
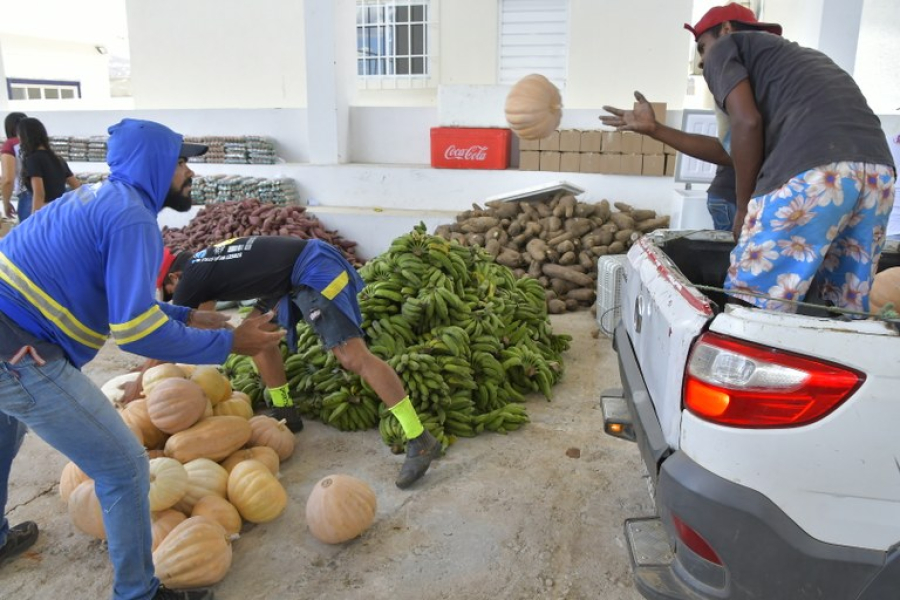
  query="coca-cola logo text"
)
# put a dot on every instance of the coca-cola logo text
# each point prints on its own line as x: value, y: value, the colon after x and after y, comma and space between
x: 470, y: 153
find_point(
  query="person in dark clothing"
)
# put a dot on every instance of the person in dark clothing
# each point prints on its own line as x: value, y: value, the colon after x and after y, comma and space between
x: 75, y: 274
x: 10, y: 170
x: 814, y: 174
x: 308, y: 279
x: 44, y: 174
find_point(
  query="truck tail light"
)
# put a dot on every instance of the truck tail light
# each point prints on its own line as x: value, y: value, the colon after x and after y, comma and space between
x: 740, y: 384
x: 695, y: 542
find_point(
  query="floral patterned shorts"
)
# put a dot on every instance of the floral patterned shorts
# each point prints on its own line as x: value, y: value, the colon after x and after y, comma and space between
x: 827, y: 223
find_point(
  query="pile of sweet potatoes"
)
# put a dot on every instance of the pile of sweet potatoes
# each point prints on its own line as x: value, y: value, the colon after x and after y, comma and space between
x: 556, y: 241
x: 221, y: 221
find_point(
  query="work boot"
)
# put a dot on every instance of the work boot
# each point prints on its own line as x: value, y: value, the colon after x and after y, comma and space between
x: 19, y: 539
x: 420, y: 452
x: 164, y: 593
x: 290, y: 415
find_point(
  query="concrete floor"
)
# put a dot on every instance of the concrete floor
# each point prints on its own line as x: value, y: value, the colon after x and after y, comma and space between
x: 498, y: 518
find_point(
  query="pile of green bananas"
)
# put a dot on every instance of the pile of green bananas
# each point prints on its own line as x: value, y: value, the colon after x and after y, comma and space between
x: 468, y: 339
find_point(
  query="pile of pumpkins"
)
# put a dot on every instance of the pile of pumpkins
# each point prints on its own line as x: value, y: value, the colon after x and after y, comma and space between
x: 213, y: 465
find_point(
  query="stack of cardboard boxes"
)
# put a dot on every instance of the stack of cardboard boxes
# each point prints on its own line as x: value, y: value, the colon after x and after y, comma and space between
x: 599, y: 151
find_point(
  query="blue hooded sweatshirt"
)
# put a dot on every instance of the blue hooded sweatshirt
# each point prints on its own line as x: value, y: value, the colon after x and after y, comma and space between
x: 85, y: 265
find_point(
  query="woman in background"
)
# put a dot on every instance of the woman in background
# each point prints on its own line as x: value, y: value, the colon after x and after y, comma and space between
x: 44, y: 174
x: 10, y: 170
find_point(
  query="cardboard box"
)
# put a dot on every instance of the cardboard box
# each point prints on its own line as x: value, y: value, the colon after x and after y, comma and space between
x: 651, y: 146
x: 529, y: 160
x: 470, y: 148
x: 659, y: 109
x: 551, y: 142
x: 610, y: 164
x: 570, y: 162
x: 670, y: 164
x: 591, y: 141
x: 569, y: 140
x: 612, y: 142
x: 667, y: 149
x: 550, y: 160
x: 654, y: 164
x: 529, y: 144
x: 631, y: 142
x: 590, y: 162
x: 632, y: 164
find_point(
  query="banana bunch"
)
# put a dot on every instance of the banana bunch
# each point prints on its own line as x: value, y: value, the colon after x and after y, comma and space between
x: 244, y: 377
x: 502, y: 420
x: 350, y: 409
x: 392, y: 434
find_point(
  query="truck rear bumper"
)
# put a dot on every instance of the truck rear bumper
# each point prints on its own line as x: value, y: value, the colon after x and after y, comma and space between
x: 764, y: 554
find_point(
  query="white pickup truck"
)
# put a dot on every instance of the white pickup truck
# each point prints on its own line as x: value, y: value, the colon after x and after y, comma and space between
x: 772, y: 440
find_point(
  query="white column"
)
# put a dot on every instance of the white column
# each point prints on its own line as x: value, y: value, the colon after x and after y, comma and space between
x: 839, y: 33
x: 4, y: 94
x: 330, y: 68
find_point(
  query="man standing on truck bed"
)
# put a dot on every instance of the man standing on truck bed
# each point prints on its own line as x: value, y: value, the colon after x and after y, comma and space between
x: 307, y: 278
x: 814, y: 174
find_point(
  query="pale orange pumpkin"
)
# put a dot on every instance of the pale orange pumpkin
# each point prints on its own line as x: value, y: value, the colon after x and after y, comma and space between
x: 885, y: 290
x: 196, y: 553
x: 69, y: 479
x: 340, y: 508
x: 204, y: 478
x: 163, y: 523
x: 214, y: 437
x: 241, y: 395
x: 234, y: 407
x: 216, y: 386
x: 533, y: 107
x: 219, y: 510
x: 168, y: 483
x: 263, y: 454
x: 176, y: 404
x: 272, y: 433
x: 85, y: 510
x: 255, y: 492
x: 135, y: 413
x: 154, y: 375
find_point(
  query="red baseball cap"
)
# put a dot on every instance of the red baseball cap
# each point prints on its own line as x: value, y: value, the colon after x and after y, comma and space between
x: 730, y: 12
x: 168, y: 259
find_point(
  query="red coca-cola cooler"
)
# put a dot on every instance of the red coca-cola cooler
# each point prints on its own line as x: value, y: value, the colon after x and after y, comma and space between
x: 469, y: 148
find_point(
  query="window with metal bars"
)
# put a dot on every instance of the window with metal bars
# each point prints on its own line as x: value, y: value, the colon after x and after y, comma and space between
x: 392, y: 38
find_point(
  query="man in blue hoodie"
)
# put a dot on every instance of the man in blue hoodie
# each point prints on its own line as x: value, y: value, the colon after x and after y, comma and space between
x: 76, y: 272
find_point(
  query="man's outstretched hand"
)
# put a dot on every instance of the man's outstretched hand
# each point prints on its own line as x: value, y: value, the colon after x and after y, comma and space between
x: 642, y: 119
x: 255, y: 334
x: 208, y: 319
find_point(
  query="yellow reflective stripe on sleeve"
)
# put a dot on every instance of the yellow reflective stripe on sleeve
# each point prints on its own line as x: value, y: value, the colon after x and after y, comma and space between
x: 139, y: 327
x: 50, y: 308
x: 337, y: 284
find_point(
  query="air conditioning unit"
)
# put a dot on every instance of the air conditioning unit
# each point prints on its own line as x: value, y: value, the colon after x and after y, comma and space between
x: 610, y: 284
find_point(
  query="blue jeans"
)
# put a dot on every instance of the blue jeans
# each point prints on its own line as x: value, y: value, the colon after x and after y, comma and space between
x: 24, y: 205
x: 722, y: 212
x: 61, y: 405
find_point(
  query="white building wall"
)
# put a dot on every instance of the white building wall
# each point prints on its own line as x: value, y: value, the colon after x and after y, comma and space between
x: 217, y: 53
x: 36, y: 58
x: 878, y: 58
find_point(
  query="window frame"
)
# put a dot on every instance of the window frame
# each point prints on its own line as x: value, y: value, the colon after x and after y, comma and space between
x: 43, y: 85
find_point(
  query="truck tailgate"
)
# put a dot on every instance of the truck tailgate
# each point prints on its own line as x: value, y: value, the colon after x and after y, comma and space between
x: 662, y: 314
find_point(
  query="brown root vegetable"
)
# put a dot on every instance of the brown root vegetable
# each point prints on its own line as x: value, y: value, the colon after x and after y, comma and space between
x: 569, y: 274
x: 652, y: 224
x: 478, y: 224
x: 579, y: 226
x: 622, y: 220
x: 568, y: 258
x: 602, y: 210
x: 556, y: 306
x: 562, y: 237
x: 565, y: 207
x: 643, y: 215
x: 566, y: 246
x: 509, y: 258
x: 584, y: 295
x: 493, y: 247
x: 624, y: 235
x: 622, y: 206
x: 616, y: 248
x: 534, y: 269
x: 537, y: 249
